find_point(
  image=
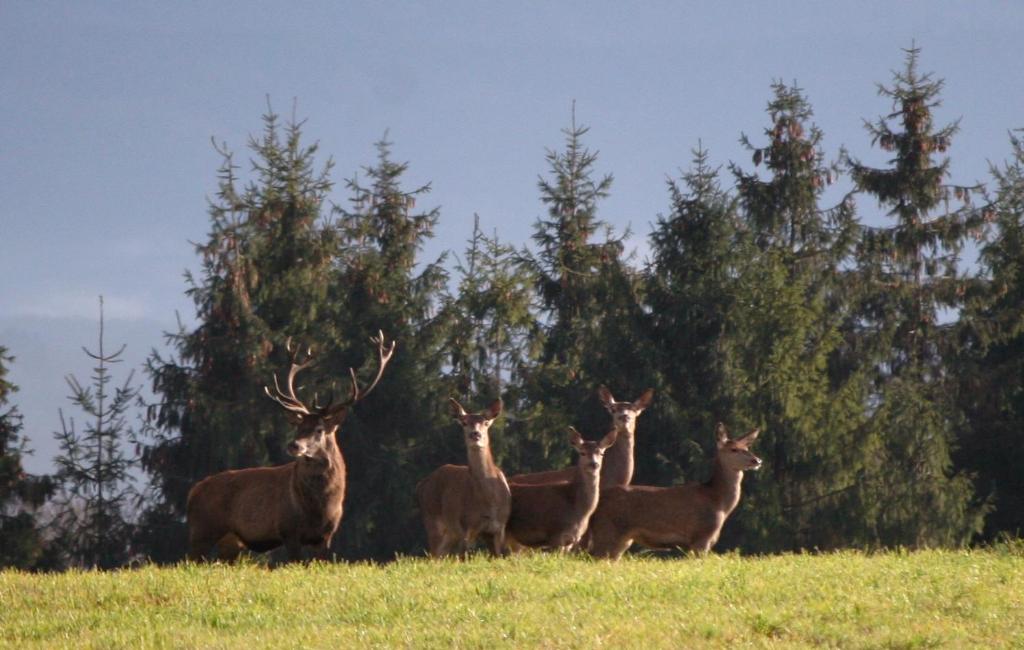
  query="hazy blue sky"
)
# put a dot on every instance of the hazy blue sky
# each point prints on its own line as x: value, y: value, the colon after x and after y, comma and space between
x: 108, y: 109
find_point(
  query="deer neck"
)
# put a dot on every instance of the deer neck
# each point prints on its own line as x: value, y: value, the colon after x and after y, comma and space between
x: 724, y: 487
x: 617, y: 468
x: 489, y: 482
x: 314, y: 474
x: 481, y: 464
x: 587, y: 488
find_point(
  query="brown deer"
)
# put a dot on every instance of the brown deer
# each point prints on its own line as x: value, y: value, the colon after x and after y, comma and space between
x: 296, y: 504
x: 688, y: 516
x: 618, y: 461
x: 459, y: 502
x: 555, y: 515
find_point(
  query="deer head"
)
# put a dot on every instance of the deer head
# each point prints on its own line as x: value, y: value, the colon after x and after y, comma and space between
x: 591, y: 452
x: 476, y: 425
x: 316, y: 425
x: 624, y: 414
x: 735, y: 455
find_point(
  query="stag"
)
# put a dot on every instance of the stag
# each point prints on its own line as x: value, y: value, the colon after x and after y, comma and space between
x: 555, y: 515
x: 297, y: 504
x: 617, y: 468
x: 688, y: 516
x: 461, y: 502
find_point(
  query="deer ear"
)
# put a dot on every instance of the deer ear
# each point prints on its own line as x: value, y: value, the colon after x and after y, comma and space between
x: 750, y: 437
x: 644, y: 400
x: 575, y: 439
x: 721, y: 434
x: 609, y: 439
x: 457, y: 411
x: 494, y: 410
x: 606, y: 396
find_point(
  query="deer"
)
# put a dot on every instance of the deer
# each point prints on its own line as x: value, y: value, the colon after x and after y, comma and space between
x: 461, y: 502
x: 292, y: 505
x: 688, y: 516
x: 555, y: 515
x: 618, y: 461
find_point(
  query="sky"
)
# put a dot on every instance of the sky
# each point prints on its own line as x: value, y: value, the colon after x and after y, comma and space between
x: 108, y: 110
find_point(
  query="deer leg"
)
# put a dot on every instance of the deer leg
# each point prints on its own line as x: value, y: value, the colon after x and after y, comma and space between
x: 609, y: 547
x: 201, y: 541
x: 495, y: 542
x: 620, y: 548
x: 293, y: 546
x: 498, y: 543
x: 447, y: 544
x: 462, y: 547
x: 322, y: 551
x: 229, y: 547
x: 199, y: 549
x: 512, y: 545
x: 434, y: 537
x: 585, y: 541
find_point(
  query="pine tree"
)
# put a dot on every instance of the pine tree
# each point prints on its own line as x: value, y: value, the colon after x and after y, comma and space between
x: 267, y: 272
x: 21, y: 542
x: 94, y: 482
x: 381, y: 285
x: 991, y: 360
x: 908, y: 275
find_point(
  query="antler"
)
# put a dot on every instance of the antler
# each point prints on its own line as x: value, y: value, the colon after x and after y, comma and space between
x: 288, y: 400
x: 384, y: 356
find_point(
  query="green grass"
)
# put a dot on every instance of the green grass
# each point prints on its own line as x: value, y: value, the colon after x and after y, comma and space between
x: 846, y: 600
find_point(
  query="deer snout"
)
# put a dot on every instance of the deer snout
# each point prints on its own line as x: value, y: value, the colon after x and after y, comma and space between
x: 755, y: 463
x: 295, y: 448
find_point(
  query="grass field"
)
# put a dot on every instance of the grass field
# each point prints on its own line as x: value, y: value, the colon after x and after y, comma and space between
x: 846, y: 600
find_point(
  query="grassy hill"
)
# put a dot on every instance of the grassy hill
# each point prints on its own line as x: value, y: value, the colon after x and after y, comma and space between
x: 848, y: 600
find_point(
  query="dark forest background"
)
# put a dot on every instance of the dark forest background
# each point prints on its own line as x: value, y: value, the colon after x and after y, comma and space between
x: 882, y: 363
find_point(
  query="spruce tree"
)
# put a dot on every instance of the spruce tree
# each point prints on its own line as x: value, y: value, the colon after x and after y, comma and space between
x: 908, y: 275
x: 380, y: 284
x: 589, y: 305
x: 494, y: 338
x: 783, y: 328
x: 990, y: 362
x: 92, y: 524
x: 697, y: 250
x: 266, y: 276
x: 21, y: 494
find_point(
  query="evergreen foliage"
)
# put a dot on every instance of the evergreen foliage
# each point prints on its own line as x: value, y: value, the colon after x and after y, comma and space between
x: 92, y: 524
x: 908, y: 275
x: 379, y: 284
x: 494, y: 341
x: 697, y: 251
x: 21, y: 494
x: 589, y: 306
x: 991, y: 355
x: 782, y: 328
x: 266, y: 276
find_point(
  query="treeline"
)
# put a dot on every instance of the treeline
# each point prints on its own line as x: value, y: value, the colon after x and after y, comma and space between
x: 884, y: 372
